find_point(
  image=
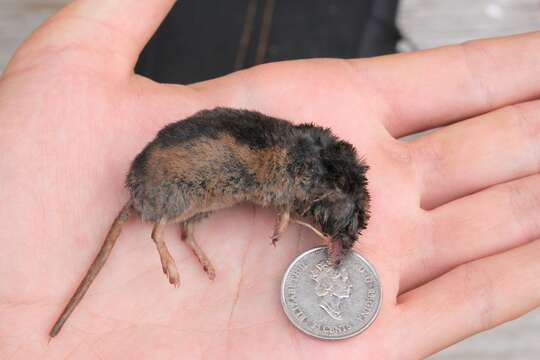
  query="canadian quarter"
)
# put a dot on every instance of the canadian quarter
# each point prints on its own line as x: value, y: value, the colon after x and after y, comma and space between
x: 328, y: 302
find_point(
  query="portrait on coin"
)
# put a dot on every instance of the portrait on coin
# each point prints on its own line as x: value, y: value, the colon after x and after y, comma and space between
x: 332, y: 286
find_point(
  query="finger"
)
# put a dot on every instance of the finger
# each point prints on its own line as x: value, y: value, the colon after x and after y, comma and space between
x: 435, y: 87
x: 469, y: 299
x: 120, y: 28
x: 479, y: 225
x: 477, y: 153
x: 406, y: 92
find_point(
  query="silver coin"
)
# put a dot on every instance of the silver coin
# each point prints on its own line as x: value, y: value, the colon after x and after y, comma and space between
x: 328, y: 302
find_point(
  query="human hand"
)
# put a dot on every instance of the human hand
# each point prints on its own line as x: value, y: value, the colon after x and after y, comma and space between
x: 453, y: 229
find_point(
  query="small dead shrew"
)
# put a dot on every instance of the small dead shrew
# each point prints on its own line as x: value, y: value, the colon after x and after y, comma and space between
x: 217, y: 158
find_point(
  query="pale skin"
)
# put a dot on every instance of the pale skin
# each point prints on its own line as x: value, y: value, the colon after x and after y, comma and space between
x: 454, y: 224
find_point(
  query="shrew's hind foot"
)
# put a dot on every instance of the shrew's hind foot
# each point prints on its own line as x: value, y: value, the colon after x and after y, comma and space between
x: 167, y: 262
x: 187, y: 236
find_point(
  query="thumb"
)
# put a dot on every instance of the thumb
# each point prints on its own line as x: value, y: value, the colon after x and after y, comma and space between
x: 116, y: 29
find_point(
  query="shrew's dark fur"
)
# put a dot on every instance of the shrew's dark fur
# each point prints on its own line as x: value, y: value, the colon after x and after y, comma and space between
x: 219, y: 157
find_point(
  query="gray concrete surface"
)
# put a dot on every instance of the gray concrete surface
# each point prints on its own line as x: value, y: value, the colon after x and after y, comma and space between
x: 425, y: 23
x: 432, y: 23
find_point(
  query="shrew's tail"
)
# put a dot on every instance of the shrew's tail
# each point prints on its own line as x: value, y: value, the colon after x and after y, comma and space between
x: 99, y: 261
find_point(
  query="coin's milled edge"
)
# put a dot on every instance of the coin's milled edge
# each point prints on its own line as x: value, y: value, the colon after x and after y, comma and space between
x: 293, y: 321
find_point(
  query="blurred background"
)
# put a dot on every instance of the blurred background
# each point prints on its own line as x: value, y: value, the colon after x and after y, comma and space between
x: 241, y: 33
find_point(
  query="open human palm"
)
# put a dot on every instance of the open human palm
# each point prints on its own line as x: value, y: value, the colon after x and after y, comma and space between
x: 453, y: 224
